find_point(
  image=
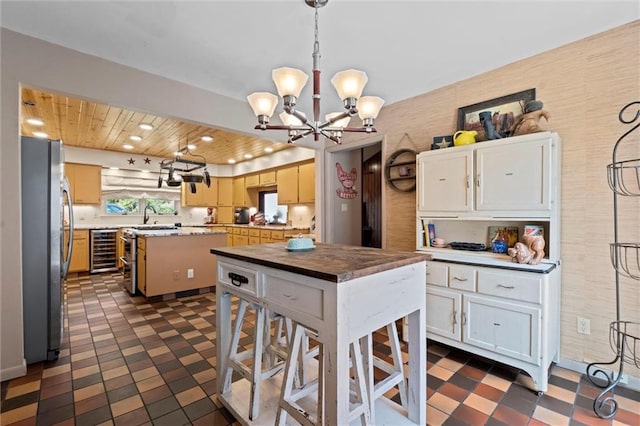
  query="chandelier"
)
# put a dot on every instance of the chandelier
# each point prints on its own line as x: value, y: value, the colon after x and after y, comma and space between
x: 290, y: 81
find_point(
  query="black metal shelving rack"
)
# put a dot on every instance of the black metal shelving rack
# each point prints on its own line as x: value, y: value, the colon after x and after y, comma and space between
x: 624, y: 336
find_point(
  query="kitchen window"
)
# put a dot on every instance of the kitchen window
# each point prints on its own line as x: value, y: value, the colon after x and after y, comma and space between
x: 122, y: 206
x: 273, y: 213
x: 128, y: 206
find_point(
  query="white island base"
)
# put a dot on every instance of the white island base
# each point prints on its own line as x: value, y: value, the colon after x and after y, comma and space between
x: 387, y: 411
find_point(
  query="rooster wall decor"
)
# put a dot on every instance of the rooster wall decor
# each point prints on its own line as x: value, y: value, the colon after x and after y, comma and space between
x: 348, y: 181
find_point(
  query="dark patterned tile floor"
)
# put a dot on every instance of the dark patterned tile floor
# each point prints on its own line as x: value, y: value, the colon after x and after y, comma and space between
x: 128, y: 361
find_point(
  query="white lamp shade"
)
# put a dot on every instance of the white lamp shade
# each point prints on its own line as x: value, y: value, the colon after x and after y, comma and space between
x: 289, y: 119
x: 263, y: 103
x: 369, y: 107
x: 349, y: 83
x: 344, y: 122
x: 289, y: 81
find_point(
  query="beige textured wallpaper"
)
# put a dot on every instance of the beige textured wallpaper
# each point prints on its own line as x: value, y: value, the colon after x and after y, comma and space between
x: 583, y: 86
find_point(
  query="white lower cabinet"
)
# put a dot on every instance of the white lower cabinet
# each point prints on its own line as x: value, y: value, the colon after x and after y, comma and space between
x: 506, y: 315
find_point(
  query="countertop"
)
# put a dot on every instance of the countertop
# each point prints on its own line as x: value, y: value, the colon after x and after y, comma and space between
x: 185, y: 230
x: 214, y: 225
x: 329, y: 262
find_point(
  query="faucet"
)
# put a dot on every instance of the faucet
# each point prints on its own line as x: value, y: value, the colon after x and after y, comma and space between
x: 145, y: 218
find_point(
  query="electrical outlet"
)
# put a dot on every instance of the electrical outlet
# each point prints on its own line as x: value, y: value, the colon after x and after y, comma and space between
x: 176, y: 275
x: 189, y: 273
x: 584, y: 326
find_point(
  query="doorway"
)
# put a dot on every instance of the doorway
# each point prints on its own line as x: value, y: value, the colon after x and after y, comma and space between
x: 358, y: 219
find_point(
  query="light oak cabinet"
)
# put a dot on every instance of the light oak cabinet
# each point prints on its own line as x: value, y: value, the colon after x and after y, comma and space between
x: 225, y: 192
x: 252, y: 181
x: 288, y: 185
x: 85, y: 182
x: 205, y: 196
x: 240, y: 194
x: 307, y: 183
x: 268, y: 178
x: 80, y: 251
x: 225, y: 214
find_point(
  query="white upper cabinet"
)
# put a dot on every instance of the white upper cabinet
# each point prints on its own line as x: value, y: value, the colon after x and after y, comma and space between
x: 509, y: 177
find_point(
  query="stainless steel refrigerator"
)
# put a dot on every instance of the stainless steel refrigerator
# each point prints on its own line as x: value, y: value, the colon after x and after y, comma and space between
x: 45, y: 194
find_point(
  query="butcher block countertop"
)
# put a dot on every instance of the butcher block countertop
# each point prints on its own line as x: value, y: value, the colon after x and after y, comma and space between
x: 330, y: 262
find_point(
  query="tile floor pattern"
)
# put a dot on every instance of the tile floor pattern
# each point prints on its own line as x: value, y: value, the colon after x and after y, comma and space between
x: 126, y: 361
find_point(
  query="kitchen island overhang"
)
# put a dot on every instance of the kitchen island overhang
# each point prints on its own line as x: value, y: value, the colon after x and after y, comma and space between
x: 342, y: 293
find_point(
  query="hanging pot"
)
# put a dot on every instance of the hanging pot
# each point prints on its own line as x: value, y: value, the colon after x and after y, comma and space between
x: 189, y: 178
x: 192, y: 187
x: 207, y: 178
x: 159, y: 181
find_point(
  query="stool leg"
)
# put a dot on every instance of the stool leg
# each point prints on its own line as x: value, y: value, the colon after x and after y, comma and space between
x: 233, y: 346
x: 256, y: 375
x: 289, y: 374
x: 360, y: 378
x: 396, y: 353
x: 366, y: 343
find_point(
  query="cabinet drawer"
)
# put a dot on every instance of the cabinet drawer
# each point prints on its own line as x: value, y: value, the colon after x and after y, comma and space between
x: 254, y: 241
x: 277, y: 235
x: 462, y: 277
x: 244, y: 231
x: 510, y: 285
x: 254, y: 232
x: 265, y: 234
x: 236, y: 230
x: 306, y: 300
x: 239, y: 279
x: 437, y: 274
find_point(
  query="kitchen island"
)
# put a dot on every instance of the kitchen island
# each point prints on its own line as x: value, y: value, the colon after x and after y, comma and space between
x: 341, y: 292
x: 173, y: 261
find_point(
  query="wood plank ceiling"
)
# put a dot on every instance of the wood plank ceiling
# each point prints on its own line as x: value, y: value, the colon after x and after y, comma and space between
x: 86, y: 124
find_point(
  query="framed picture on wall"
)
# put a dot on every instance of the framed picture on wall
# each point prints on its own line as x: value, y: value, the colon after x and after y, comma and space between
x: 505, y: 112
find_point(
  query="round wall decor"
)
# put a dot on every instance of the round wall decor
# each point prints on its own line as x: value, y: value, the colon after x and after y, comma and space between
x: 400, y: 170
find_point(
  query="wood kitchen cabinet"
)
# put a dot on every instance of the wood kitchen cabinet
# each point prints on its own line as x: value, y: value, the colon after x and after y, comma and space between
x: 80, y: 250
x: 288, y: 185
x: 85, y: 182
x: 225, y: 192
x: 307, y: 183
x: 240, y: 195
x: 252, y: 181
x: 510, y: 316
x: 268, y: 178
x: 205, y: 196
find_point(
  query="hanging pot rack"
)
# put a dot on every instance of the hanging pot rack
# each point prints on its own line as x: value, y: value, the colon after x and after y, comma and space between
x: 187, y: 166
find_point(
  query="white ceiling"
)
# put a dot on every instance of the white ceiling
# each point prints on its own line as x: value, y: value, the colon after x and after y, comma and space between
x: 230, y: 47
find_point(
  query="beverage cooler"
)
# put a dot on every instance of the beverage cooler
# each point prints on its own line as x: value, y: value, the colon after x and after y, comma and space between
x: 103, y: 250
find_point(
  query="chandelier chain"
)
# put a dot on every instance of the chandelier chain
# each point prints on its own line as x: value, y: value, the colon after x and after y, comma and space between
x: 316, y: 43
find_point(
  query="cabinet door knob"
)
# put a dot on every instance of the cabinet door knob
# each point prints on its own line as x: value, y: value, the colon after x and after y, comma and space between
x: 509, y: 287
x: 461, y: 278
x: 455, y: 314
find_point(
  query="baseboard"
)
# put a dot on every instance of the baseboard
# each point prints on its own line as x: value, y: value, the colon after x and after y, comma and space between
x: 13, y: 372
x: 581, y: 367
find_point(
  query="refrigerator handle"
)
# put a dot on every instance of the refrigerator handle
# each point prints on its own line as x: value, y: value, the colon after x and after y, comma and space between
x: 67, y: 260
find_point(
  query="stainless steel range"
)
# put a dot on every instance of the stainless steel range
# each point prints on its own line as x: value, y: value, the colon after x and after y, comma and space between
x: 129, y: 260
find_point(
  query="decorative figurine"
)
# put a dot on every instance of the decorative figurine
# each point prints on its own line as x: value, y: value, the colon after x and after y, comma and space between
x: 528, y: 122
x: 487, y: 124
x: 530, y: 251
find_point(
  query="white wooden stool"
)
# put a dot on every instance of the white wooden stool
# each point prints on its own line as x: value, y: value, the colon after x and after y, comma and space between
x: 266, y: 347
x: 291, y: 393
x: 395, y: 371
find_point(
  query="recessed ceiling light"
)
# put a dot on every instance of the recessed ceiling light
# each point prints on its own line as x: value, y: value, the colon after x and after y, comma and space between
x: 268, y: 150
x: 191, y: 147
x: 177, y: 153
x: 35, y: 121
x: 231, y: 161
x: 42, y: 135
x: 248, y: 156
x: 146, y: 126
x: 127, y: 146
x: 207, y: 138
x: 135, y: 138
